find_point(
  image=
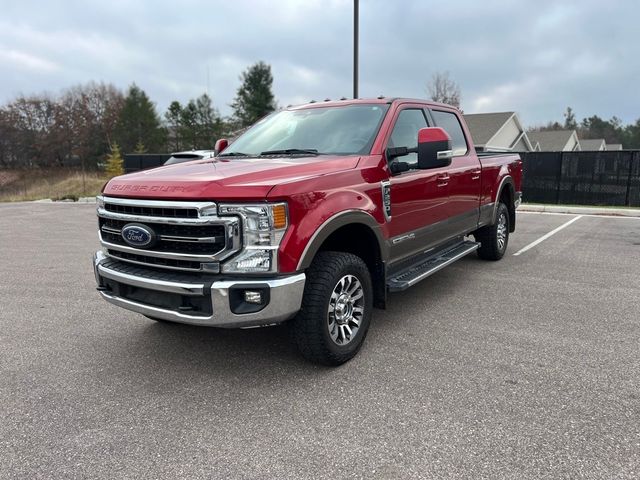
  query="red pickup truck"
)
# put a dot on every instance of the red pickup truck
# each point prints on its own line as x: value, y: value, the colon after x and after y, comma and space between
x: 311, y: 217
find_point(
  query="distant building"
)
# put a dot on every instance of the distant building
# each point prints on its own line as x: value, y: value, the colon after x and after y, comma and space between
x: 614, y: 146
x: 555, y: 141
x: 593, y: 145
x: 498, y: 132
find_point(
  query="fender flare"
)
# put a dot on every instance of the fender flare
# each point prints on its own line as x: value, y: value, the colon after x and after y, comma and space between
x: 332, y: 224
x: 506, y: 182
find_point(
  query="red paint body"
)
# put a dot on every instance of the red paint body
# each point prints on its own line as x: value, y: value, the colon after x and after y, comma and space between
x: 317, y: 188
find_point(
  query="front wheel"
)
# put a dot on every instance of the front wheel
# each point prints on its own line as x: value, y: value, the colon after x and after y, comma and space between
x: 336, y: 309
x: 494, y: 238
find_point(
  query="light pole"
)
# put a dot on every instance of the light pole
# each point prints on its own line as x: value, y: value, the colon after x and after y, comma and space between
x: 355, y: 47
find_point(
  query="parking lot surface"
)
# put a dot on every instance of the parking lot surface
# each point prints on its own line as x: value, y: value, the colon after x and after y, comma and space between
x: 524, y: 368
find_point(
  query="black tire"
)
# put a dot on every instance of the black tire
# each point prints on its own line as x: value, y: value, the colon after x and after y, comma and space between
x: 491, y: 247
x: 324, y: 311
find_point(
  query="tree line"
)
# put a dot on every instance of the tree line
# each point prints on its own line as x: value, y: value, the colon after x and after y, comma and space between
x: 612, y: 130
x: 85, y: 124
x: 441, y: 88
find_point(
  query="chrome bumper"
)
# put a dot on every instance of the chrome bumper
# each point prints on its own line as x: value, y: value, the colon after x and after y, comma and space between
x: 285, y: 297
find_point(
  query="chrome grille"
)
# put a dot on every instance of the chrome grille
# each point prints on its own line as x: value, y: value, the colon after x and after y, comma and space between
x: 152, y: 211
x: 188, y: 235
x: 205, y: 239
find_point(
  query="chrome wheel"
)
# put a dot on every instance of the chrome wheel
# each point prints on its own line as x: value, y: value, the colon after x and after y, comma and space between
x: 501, y: 232
x: 346, y: 310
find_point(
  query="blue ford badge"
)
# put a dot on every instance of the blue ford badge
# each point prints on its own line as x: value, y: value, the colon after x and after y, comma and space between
x: 138, y: 235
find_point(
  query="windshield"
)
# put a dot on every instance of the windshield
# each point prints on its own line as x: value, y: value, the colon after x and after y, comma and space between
x: 344, y: 130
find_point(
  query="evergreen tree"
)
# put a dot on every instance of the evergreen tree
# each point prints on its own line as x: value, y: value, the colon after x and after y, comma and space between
x: 140, y: 148
x: 570, y: 122
x: 139, y: 122
x: 209, y: 123
x: 596, y: 127
x: 173, y: 118
x: 254, y: 98
x: 188, y: 126
x: 197, y: 125
x: 114, y: 165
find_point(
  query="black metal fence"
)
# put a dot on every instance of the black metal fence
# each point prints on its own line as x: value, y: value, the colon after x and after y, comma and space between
x: 134, y: 162
x: 582, y: 178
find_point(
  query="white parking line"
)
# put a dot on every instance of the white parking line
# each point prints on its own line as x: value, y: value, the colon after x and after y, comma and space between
x: 544, y: 237
x: 622, y: 217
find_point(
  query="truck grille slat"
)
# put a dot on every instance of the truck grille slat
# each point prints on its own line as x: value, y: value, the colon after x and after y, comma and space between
x: 152, y: 211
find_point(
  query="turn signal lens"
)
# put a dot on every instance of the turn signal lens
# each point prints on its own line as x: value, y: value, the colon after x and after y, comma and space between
x: 279, y: 213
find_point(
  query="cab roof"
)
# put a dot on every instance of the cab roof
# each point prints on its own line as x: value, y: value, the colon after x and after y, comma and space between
x: 367, y: 101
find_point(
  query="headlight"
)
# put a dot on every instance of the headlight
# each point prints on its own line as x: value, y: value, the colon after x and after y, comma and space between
x: 263, y: 226
x: 100, y: 201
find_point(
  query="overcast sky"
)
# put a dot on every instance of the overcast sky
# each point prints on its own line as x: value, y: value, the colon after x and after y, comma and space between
x: 534, y: 57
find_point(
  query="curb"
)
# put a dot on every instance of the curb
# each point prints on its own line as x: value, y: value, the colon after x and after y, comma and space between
x: 618, y: 212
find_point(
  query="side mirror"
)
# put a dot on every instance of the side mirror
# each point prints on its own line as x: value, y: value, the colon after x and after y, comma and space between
x: 434, y: 148
x: 399, y: 167
x: 220, y: 146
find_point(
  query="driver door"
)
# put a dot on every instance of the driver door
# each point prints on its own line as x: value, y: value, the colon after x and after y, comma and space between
x: 418, y: 197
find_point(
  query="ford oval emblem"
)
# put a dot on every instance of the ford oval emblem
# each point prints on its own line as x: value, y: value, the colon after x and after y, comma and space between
x: 138, y: 235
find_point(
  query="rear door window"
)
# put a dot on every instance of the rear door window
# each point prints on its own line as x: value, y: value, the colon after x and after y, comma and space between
x: 451, y: 124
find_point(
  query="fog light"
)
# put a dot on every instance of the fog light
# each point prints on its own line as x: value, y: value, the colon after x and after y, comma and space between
x: 251, y: 296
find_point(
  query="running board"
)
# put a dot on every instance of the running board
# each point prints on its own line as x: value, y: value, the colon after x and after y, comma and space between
x: 431, y: 265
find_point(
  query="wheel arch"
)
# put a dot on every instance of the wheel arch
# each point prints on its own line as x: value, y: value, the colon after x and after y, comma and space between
x: 506, y: 194
x: 354, y: 232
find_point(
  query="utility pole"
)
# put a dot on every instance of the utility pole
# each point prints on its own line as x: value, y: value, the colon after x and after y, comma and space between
x: 355, y: 47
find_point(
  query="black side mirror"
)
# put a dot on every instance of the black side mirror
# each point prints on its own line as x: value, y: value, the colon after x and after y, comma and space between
x: 434, y: 148
x: 399, y: 167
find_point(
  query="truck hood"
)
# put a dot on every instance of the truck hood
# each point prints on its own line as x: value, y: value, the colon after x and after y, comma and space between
x: 224, y: 179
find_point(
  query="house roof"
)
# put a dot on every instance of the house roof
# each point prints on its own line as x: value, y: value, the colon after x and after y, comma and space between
x: 484, y: 126
x: 614, y: 146
x: 552, y: 140
x: 592, y: 144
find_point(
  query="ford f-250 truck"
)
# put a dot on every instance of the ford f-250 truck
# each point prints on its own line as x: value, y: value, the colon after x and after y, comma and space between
x: 311, y: 216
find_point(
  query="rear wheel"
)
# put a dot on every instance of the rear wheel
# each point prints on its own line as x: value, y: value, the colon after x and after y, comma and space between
x: 336, y: 309
x: 494, y: 238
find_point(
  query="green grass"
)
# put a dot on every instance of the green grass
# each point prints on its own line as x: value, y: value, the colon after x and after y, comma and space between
x: 57, y: 184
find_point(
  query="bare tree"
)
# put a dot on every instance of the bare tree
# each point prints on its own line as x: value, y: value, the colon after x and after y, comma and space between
x: 444, y: 90
x: 45, y: 131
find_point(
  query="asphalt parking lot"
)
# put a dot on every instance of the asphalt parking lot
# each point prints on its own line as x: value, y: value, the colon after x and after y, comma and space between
x: 524, y: 368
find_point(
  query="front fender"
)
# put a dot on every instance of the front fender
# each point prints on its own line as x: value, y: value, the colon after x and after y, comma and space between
x: 331, y: 225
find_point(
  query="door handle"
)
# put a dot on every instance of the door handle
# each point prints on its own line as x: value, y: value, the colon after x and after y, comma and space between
x: 476, y: 174
x: 442, y: 180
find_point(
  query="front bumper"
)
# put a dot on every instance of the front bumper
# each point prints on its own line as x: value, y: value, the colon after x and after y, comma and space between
x: 284, y: 295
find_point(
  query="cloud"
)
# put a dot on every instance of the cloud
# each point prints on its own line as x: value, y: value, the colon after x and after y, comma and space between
x: 535, y: 57
x: 27, y: 61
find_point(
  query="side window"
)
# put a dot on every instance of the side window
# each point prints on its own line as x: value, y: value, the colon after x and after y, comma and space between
x: 449, y: 121
x: 405, y: 132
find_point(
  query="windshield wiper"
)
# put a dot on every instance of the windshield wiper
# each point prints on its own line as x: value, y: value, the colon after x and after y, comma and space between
x: 233, y: 154
x: 292, y: 151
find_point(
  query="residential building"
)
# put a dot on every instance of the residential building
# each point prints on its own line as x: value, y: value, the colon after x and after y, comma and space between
x: 593, y: 145
x: 498, y: 132
x: 555, y: 141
